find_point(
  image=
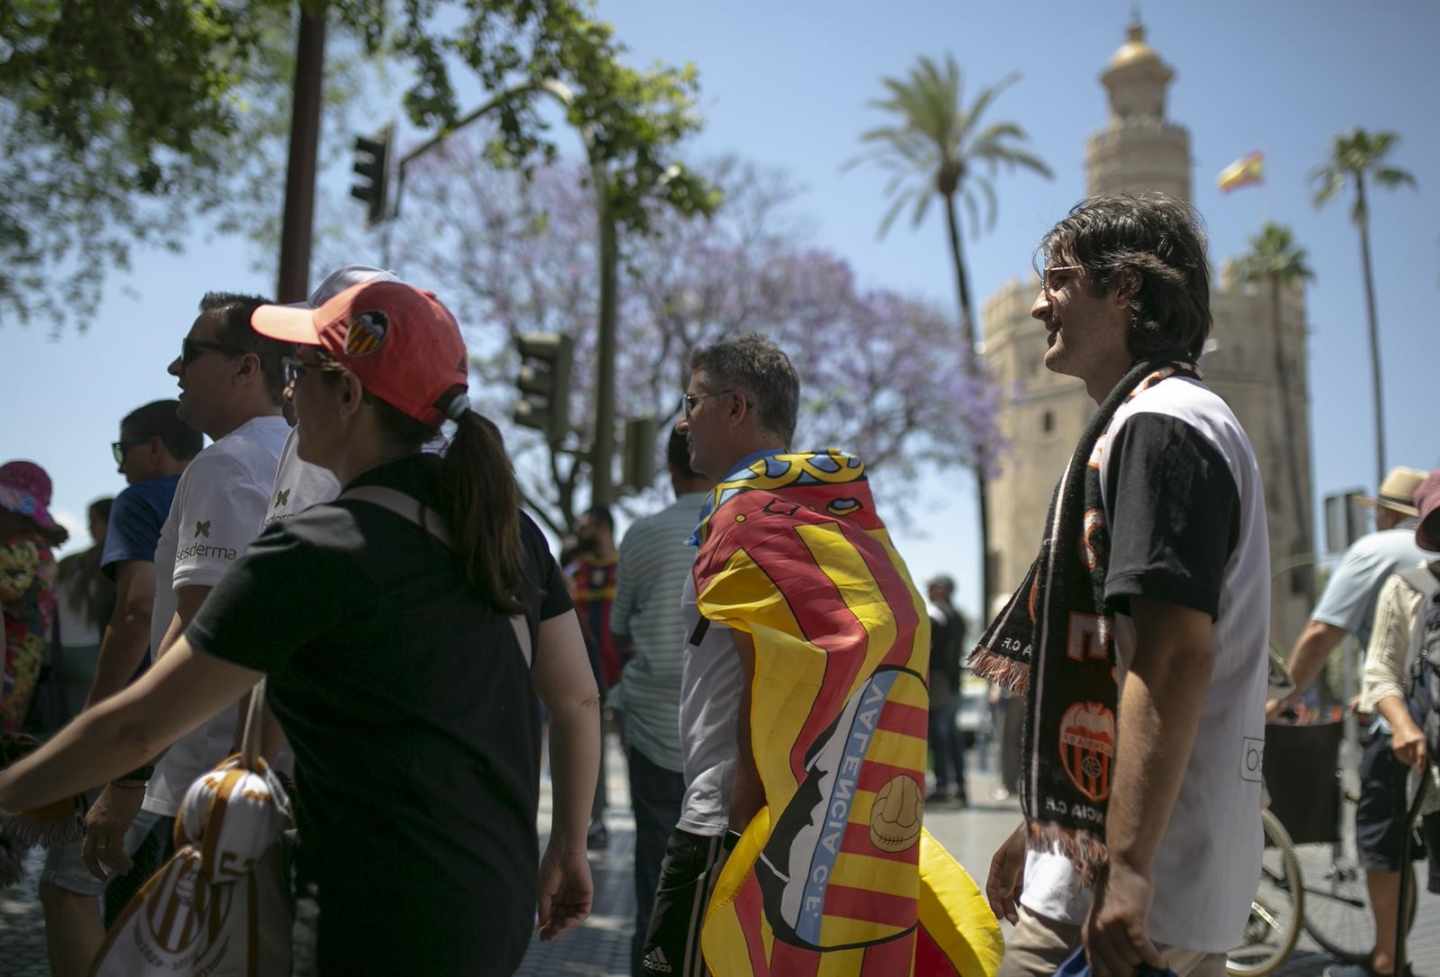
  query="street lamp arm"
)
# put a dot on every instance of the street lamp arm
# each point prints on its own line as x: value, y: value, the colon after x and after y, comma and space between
x: 603, y: 444
x: 553, y: 87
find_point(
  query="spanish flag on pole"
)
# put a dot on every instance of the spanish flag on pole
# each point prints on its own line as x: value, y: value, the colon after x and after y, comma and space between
x: 836, y: 876
x: 1243, y: 172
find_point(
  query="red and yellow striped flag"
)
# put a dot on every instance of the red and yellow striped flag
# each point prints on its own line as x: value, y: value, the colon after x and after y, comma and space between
x: 837, y: 876
x: 1243, y: 172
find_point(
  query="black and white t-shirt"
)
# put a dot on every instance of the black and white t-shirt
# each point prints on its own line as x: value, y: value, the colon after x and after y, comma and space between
x: 1186, y: 512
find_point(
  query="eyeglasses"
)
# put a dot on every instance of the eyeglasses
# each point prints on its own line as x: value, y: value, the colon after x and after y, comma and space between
x: 122, y: 447
x: 1048, y: 278
x: 294, y: 367
x: 190, y: 349
x: 688, y: 402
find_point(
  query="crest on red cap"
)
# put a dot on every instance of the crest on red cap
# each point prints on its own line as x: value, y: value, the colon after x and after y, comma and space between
x: 365, y: 332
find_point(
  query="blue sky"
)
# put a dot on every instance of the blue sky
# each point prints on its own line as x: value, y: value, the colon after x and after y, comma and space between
x: 787, y: 85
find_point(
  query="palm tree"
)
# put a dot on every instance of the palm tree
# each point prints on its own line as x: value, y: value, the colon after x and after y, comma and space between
x: 1275, y: 260
x: 938, y: 147
x: 1355, y: 157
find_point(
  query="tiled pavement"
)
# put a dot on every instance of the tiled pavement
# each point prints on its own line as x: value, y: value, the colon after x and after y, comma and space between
x: 601, y: 947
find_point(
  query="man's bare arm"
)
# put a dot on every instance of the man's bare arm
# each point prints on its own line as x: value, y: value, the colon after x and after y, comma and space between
x: 1159, y: 716
x: 1308, y: 656
x: 128, y: 634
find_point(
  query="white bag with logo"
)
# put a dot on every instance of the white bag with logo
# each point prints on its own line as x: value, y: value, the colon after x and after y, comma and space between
x: 221, y: 907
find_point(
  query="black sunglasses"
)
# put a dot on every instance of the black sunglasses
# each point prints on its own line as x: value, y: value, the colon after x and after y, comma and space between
x: 190, y: 349
x: 120, y: 448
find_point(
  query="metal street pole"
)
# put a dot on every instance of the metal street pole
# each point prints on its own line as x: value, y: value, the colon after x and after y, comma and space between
x: 602, y: 489
x: 299, y: 217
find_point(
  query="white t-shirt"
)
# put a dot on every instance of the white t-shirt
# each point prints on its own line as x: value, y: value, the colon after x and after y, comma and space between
x: 711, y: 680
x: 1178, y: 470
x: 298, y: 485
x: 220, y: 504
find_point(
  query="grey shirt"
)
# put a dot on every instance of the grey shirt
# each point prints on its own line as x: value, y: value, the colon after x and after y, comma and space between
x: 655, y: 560
x: 710, y: 685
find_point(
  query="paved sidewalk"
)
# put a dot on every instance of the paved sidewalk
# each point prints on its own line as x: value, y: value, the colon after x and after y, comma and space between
x: 601, y: 947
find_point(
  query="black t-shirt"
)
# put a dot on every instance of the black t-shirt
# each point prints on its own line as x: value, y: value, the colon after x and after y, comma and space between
x: 1174, y: 514
x: 414, y: 724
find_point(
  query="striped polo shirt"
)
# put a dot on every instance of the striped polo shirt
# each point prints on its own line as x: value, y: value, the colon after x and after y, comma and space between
x: 655, y: 558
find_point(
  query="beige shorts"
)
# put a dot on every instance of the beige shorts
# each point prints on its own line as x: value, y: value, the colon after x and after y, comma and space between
x: 1038, y: 946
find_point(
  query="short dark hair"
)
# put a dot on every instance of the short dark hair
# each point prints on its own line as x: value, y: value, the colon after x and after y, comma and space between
x: 234, y: 311
x: 1158, y: 243
x: 756, y: 365
x: 159, y: 419
x: 677, y: 455
x: 102, y: 506
x: 602, y: 513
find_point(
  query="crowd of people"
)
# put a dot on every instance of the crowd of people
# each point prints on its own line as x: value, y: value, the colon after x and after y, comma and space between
x: 353, y: 536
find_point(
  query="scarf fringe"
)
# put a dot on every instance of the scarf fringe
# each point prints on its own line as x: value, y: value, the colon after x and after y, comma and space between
x: 1086, y: 851
x: 1010, y: 674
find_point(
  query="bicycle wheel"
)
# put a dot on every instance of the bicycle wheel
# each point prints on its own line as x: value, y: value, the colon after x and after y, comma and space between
x: 1337, y: 901
x: 1276, y: 912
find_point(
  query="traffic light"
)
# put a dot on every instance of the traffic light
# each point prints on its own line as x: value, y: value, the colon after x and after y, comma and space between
x: 372, y: 164
x: 639, y: 461
x: 544, y: 383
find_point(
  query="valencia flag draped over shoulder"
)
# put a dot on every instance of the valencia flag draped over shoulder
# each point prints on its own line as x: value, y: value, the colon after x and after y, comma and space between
x: 837, y: 876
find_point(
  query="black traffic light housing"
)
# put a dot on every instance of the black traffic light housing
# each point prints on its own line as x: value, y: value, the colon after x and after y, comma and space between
x: 544, y: 382
x: 372, y: 164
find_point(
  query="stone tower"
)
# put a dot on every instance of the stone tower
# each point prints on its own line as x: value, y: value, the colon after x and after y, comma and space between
x: 1258, y: 370
x: 1138, y: 149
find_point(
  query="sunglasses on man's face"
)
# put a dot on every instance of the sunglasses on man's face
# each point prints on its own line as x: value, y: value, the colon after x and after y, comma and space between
x: 295, y: 368
x: 122, y: 447
x: 190, y: 349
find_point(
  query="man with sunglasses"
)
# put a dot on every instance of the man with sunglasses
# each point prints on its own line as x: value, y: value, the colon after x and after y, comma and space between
x: 231, y: 388
x: 154, y: 448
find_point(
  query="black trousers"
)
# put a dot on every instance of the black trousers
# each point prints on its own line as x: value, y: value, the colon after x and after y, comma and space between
x: 655, y: 796
x: 949, y: 748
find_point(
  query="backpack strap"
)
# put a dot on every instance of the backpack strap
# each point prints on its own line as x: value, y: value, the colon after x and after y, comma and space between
x: 412, y: 510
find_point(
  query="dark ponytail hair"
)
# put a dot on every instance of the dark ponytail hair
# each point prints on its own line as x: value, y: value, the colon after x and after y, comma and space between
x: 480, y: 497
x: 482, y: 509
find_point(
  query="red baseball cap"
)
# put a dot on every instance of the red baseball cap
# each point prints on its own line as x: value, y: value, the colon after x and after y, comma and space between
x: 1427, y: 501
x: 400, y: 341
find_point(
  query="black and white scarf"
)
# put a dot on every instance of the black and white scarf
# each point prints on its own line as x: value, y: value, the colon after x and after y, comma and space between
x: 1055, y: 641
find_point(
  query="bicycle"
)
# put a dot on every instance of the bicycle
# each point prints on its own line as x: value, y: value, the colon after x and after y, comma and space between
x: 1311, y: 880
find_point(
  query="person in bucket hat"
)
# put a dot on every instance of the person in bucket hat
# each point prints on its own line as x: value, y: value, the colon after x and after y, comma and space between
x: 27, y: 584
x: 405, y: 629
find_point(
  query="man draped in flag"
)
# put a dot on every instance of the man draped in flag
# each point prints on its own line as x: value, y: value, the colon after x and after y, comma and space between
x: 800, y: 848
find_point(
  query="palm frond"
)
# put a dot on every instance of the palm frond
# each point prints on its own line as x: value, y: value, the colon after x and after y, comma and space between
x: 1391, y: 177
x: 991, y: 204
x: 972, y: 210
x: 922, y: 207
x: 895, y: 207
x: 1329, y: 181
x: 982, y: 102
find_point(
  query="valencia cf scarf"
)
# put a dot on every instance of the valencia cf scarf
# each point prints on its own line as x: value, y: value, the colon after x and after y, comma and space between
x: 836, y: 875
x: 1055, y: 642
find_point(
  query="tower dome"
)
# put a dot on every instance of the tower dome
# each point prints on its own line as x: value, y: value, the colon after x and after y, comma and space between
x: 1139, y: 149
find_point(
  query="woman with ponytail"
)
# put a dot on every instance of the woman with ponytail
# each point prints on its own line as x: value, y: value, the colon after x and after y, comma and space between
x: 406, y: 630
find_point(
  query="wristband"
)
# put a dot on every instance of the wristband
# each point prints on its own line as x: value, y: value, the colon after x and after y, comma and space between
x: 138, y: 777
